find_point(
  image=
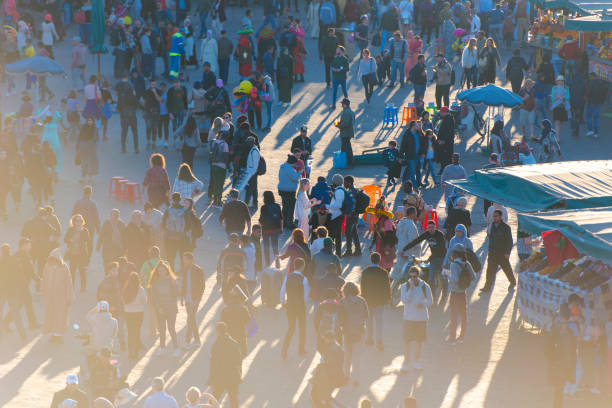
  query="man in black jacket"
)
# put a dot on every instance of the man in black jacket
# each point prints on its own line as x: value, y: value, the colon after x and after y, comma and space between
x: 71, y: 391
x: 500, y: 246
x: 192, y: 289
x: 327, y: 52
x: 418, y: 77
x: 22, y: 275
x: 376, y: 290
x: 437, y: 247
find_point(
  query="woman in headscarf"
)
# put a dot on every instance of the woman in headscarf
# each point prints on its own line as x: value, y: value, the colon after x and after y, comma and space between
x: 299, y: 52
x: 209, y: 52
x: 190, y: 51
x: 57, y: 294
x: 284, y: 76
x: 87, y: 151
x: 49, y: 34
x: 459, y: 238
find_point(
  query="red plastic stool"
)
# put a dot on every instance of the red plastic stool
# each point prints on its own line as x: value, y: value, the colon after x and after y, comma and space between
x: 132, y: 192
x: 115, y: 188
x: 431, y: 215
x: 122, y: 189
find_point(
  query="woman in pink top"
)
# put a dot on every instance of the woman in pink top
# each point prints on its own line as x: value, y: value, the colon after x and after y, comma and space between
x: 415, y: 47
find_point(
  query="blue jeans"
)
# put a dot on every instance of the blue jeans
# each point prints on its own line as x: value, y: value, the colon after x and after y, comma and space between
x: 592, y: 117
x: 396, y: 65
x: 384, y: 39
x: 412, y: 172
x: 342, y: 83
x: 419, y: 90
x: 203, y: 28
x: 429, y: 167
x: 471, y: 77
x: 178, y: 119
x: 269, y: 113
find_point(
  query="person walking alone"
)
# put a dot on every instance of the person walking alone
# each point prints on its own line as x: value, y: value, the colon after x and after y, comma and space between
x: 500, y: 246
x: 367, y: 71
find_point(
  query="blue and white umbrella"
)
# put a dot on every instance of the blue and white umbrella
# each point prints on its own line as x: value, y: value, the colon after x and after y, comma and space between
x: 36, y: 65
x: 491, y: 95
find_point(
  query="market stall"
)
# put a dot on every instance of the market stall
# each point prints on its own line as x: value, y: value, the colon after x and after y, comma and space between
x: 545, y: 186
x: 576, y: 257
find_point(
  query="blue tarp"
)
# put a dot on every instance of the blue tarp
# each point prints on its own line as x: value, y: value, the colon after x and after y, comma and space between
x: 491, y: 95
x: 593, y: 23
x: 590, y: 230
x: 35, y: 65
x: 540, y: 187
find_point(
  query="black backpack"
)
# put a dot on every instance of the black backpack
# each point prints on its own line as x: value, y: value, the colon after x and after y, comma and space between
x: 465, y: 279
x: 261, y: 166
x: 348, y: 203
x: 271, y: 215
x: 362, y: 201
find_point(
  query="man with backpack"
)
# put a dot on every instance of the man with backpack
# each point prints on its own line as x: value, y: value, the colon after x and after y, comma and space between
x: 362, y: 201
x: 376, y: 290
x: 341, y: 204
x: 460, y: 278
x: 417, y: 297
x: 175, y: 228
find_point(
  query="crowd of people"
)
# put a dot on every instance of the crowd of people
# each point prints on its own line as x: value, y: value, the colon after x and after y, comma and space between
x: 150, y: 262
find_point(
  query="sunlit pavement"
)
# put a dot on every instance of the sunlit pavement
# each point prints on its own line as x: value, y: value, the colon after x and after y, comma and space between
x: 501, y: 363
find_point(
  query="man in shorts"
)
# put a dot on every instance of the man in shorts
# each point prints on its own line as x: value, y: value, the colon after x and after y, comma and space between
x: 416, y: 296
x: 528, y: 112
